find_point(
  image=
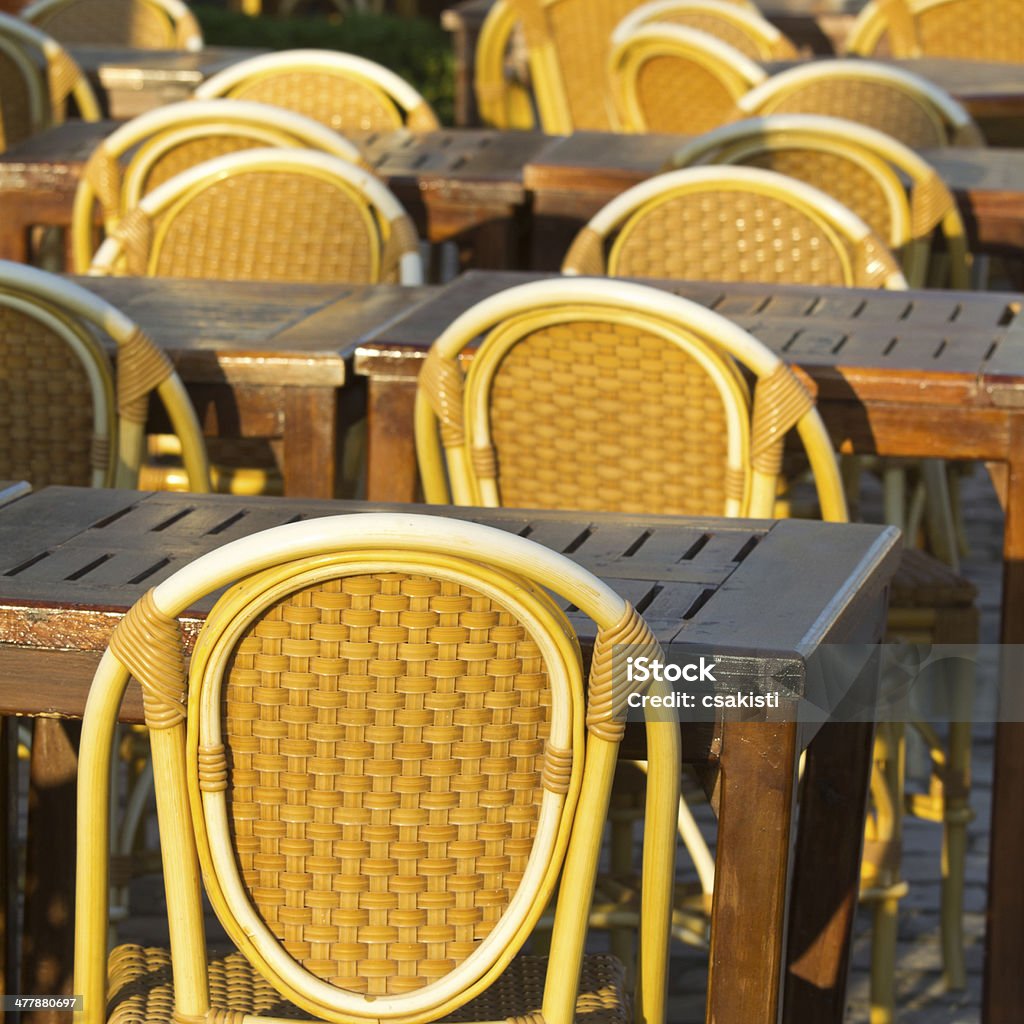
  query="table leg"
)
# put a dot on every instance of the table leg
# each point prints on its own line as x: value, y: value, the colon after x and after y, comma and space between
x: 50, y: 865
x: 757, y: 792
x: 310, y: 442
x: 832, y: 806
x: 1003, y: 992
x: 391, y: 455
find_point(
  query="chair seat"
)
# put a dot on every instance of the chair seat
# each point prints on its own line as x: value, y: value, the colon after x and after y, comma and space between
x: 141, y: 990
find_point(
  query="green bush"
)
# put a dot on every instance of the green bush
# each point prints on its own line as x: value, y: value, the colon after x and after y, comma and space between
x: 417, y: 50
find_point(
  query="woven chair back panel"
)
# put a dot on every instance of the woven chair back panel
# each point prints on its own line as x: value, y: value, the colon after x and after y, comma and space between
x: 727, y: 236
x: 15, y: 104
x: 581, y: 30
x: 340, y: 102
x: 591, y: 415
x: 192, y: 152
x: 46, y: 410
x: 720, y: 28
x: 269, y: 226
x: 890, y: 110
x: 110, y: 23
x: 975, y: 29
x: 385, y: 738
x: 676, y: 94
x: 854, y: 186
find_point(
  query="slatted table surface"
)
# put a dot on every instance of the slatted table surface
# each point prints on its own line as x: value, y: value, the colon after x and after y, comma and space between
x: 767, y: 598
x: 457, y: 185
x: 574, y: 176
x: 266, y: 361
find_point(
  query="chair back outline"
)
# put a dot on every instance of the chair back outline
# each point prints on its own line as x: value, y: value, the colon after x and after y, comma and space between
x: 147, y: 24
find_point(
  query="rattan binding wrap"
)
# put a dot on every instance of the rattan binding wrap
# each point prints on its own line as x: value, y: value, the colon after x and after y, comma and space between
x: 586, y: 254
x: 141, y: 368
x: 386, y: 741
x: 596, y: 415
x: 46, y: 406
x: 135, y: 233
x: 442, y: 382
x: 142, y: 991
x: 62, y: 75
x: 149, y: 644
x: 610, y: 685
x: 780, y: 400
x: 930, y: 201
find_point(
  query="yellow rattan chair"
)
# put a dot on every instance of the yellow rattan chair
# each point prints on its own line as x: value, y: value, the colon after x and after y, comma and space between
x: 150, y: 149
x: 894, y: 101
x: 895, y: 191
x: 732, y: 224
x: 64, y: 78
x: 146, y: 24
x: 63, y: 419
x: 738, y: 24
x: 342, y: 91
x: 501, y: 101
x: 973, y: 29
x: 667, y: 78
x: 380, y: 763
x: 267, y: 215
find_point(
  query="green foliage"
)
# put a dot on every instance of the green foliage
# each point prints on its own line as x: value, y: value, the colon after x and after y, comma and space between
x: 417, y: 50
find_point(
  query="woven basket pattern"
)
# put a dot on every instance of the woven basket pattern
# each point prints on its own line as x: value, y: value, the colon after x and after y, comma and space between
x: 110, y: 23
x: 856, y: 188
x: 45, y: 406
x: 676, y: 94
x: 269, y: 226
x: 974, y: 29
x: 727, y: 236
x: 385, y: 738
x: 15, y: 111
x: 338, y: 101
x: 593, y: 415
x: 192, y: 153
x: 142, y: 990
x: 581, y: 30
x: 721, y: 28
x: 890, y: 110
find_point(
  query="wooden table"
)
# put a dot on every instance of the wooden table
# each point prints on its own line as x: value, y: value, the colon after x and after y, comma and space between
x: 575, y: 175
x: 462, y: 186
x: 129, y: 81
x: 72, y: 561
x: 267, y: 361
x: 896, y: 373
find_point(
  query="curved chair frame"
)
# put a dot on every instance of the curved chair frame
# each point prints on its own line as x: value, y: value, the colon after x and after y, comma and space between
x: 913, y: 218
x: 736, y: 72
x: 501, y: 103
x: 846, y: 231
x: 183, y: 29
x: 137, y: 240
x: 953, y: 124
x: 64, y: 77
x: 184, y: 719
x: 118, y: 189
x: 763, y: 41
x: 411, y: 110
x: 906, y: 24
x: 142, y: 368
x: 460, y: 409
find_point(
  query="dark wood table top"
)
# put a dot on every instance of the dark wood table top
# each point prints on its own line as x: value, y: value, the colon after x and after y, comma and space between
x: 73, y: 560
x: 967, y: 347
x: 242, y: 332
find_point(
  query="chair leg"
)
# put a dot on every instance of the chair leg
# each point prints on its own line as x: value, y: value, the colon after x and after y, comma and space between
x: 957, y: 815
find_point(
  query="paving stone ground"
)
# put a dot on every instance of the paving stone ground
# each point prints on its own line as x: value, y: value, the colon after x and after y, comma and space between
x: 921, y: 994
